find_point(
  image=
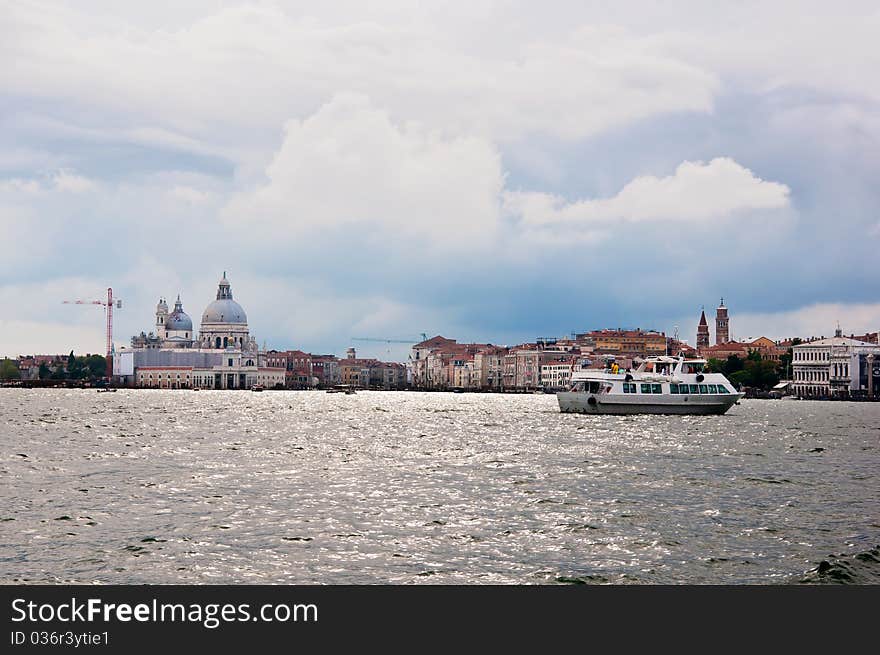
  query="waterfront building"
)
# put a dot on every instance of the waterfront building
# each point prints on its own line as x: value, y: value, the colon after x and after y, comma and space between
x: 632, y: 343
x: 522, y: 366
x: 769, y: 349
x: 675, y: 347
x: 439, y: 363
x: 556, y: 374
x: 724, y: 350
x: 223, y: 356
x: 368, y: 373
x: 836, y: 367
x: 325, y: 369
x: 489, y: 368
x: 461, y: 374
x: 305, y: 370
x: 423, y: 373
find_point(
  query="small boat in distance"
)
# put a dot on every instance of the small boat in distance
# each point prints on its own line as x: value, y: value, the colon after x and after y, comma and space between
x: 107, y: 390
x: 660, y: 385
x: 342, y: 388
x: 257, y: 387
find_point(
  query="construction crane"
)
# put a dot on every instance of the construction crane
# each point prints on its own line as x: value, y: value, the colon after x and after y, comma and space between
x: 108, y: 309
x: 381, y: 340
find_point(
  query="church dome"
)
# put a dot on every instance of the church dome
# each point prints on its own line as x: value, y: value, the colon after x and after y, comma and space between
x: 224, y: 309
x: 178, y: 319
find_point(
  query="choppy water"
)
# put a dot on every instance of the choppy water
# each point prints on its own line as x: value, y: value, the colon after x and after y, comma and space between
x: 388, y: 487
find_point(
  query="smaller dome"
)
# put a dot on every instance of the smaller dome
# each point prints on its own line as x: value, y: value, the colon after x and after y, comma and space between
x: 178, y: 319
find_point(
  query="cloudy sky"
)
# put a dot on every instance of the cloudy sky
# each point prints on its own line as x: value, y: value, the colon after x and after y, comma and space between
x: 490, y: 171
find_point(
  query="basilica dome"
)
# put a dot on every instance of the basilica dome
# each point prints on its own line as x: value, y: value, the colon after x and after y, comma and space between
x: 178, y: 319
x: 224, y: 309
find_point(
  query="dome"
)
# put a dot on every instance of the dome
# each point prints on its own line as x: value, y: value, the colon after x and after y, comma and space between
x: 224, y: 309
x: 178, y: 319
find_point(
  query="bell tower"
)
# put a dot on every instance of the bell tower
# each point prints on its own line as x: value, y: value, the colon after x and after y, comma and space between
x: 702, y: 332
x: 722, y: 324
x: 161, y: 317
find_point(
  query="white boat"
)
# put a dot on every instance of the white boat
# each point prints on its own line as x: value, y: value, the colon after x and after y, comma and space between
x: 660, y: 385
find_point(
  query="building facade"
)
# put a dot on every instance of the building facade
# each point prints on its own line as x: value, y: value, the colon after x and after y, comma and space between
x: 632, y: 343
x: 836, y: 367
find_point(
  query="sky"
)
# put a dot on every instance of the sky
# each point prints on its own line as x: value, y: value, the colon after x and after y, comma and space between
x: 491, y: 171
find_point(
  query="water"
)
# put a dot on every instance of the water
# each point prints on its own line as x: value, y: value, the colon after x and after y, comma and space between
x: 407, y: 488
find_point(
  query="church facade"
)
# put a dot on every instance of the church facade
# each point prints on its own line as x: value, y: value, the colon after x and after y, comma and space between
x: 223, y: 355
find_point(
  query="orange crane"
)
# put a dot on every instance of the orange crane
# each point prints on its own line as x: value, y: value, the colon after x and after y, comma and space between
x: 108, y: 308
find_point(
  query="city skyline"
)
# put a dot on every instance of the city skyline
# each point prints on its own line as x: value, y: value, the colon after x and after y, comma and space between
x: 490, y: 172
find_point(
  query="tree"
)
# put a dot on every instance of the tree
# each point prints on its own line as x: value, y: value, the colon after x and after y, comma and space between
x: 714, y: 365
x: 45, y: 371
x: 96, y: 366
x: 75, y: 367
x: 757, y: 373
x: 9, y: 370
x: 733, y: 365
x: 59, y: 373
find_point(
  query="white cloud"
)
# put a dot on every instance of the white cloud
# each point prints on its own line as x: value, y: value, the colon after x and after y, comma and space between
x: 697, y: 191
x: 18, y: 185
x: 190, y: 195
x: 66, y: 180
x: 348, y: 165
x: 63, y: 180
x: 241, y: 69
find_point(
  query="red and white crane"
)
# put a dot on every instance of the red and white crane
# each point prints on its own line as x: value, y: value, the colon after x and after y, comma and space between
x: 108, y: 308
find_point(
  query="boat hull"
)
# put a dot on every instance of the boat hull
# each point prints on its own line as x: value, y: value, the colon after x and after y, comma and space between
x: 587, y: 403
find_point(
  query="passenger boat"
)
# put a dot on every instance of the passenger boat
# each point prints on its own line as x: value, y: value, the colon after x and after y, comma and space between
x: 257, y: 387
x: 659, y: 385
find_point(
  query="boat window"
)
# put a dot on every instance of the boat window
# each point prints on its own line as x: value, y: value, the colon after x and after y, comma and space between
x: 713, y: 388
x: 577, y: 386
x: 646, y: 387
x: 656, y: 388
x: 594, y: 387
x: 722, y: 389
x: 629, y: 387
x: 673, y: 388
x: 694, y: 388
x: 704, y: 388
